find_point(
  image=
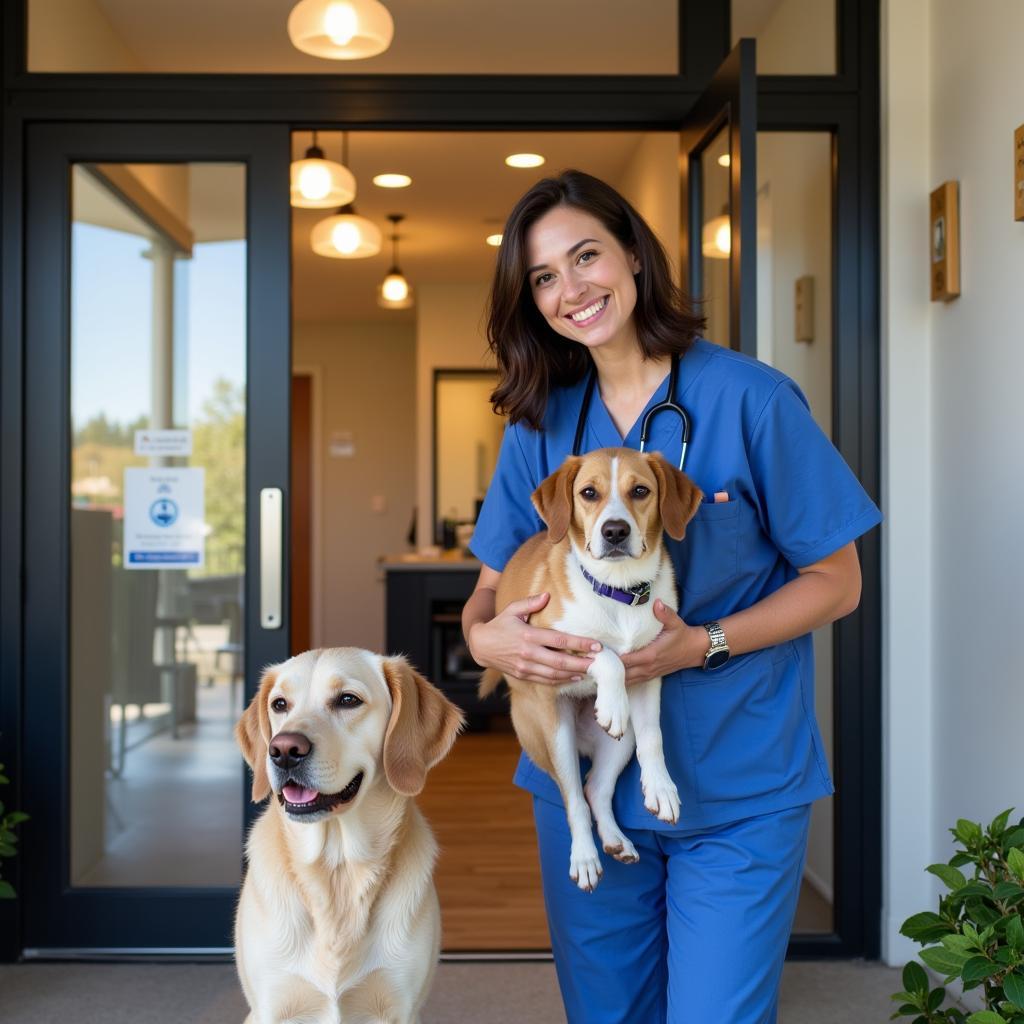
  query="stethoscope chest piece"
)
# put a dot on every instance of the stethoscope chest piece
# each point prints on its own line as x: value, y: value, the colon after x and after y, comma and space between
x: 670, y: 404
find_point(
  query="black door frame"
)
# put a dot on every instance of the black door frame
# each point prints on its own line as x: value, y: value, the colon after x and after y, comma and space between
x: 846, y: 104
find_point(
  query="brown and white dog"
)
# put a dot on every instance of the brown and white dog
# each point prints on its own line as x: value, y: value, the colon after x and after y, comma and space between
x: 605, y: 514
x: 338, y: 918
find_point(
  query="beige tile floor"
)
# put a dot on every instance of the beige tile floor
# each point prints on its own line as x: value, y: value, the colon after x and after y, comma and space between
x: 850, y: 992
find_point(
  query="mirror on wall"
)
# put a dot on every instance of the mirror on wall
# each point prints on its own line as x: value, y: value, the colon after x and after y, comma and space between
x: 467, y: 435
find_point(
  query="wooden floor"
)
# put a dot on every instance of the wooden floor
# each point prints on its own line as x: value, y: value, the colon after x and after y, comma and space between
x: 488, y: 877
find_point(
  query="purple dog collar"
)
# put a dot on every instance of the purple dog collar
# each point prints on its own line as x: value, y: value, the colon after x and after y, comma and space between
x: 638, y: 594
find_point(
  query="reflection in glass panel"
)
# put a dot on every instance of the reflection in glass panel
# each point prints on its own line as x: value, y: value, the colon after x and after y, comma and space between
x: 715, y: 236
x: 528, y: 37
x: 794, y: 37
x: 794, y: 334
x: 158, y: 377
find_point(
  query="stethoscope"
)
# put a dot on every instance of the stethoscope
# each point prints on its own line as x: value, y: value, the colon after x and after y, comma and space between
x: 645, y: 426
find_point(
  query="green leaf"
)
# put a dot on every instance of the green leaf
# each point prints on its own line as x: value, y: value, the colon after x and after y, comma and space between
x: 7, y: 890
x: 935, y: 998
x: 986, y: 1017
x: 945, y: 961
x: 1007, y: 891
x: 925, y: 927
x: 1013, y: 989
x: 968, y: 832
x: 915, y: 981
x: 1013, y: 838
x: 982, y: 913
x: 906, y: 1010
x: 952, y: 878
x: 17, y: 817
x: 975, y: 888
x: 1015, y: 934
x: 998, y: 825
x: 958, y: 860
x: 977, y: 969
x: 6, y: 850
x: 4, y: 781
x: 958, y: 943
x: 971, y: 933
x: 1015, y: 860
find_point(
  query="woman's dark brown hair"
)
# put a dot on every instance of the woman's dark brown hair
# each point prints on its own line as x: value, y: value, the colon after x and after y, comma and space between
x: 532, y: 356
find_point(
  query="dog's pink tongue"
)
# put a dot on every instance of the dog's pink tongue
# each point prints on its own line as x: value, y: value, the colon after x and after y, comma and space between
x: 298, y: 795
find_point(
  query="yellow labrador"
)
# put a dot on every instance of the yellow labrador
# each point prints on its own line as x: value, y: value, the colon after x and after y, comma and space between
x: 603, y: 562
x: 338, y: 919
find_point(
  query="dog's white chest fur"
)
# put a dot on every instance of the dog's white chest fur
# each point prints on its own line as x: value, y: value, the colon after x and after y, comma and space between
x: 618, y: 626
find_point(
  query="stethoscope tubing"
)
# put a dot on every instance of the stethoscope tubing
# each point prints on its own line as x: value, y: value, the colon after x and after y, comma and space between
x: 670, y: 405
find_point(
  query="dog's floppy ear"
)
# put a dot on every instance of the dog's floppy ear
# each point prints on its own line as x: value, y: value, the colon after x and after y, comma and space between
x: 678, y: 496
x: 421, y: 730
x: 253, y: 735
x: 553, y: 499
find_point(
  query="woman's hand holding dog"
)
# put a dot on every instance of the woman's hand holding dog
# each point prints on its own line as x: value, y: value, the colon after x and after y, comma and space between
x: 508, y: 643
x: 676, y: 646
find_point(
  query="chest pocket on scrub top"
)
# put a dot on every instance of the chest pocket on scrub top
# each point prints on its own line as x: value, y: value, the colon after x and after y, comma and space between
x: 709, y: 553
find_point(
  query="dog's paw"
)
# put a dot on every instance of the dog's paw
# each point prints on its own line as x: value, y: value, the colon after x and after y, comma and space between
x: 661, y: 798
x: 585, y: 868
x: 612, y: 716
x: 621, y: 849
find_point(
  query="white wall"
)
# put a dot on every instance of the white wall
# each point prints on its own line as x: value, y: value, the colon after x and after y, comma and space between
x: 366, y: 389
x: 952, y: 482
x: 650, y: 181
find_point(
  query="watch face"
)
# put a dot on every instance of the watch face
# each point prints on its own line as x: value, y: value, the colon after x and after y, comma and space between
x: 716, y: 660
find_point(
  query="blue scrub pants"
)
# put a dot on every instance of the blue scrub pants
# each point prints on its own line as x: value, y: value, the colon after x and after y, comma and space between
x: 696, y: 932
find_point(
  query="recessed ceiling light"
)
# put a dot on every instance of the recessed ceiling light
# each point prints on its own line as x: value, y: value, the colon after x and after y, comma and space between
x: 724, y: 159
x: 524, y: 160
x: 392, y: 180
x: 494, y: 240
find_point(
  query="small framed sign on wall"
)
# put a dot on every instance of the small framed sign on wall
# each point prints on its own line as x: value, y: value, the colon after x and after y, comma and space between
x: 945, y: 241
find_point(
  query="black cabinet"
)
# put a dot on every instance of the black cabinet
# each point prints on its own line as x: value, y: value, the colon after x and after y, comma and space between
x: 424, y: 622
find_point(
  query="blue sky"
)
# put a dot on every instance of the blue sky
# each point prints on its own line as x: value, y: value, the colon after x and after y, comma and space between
x: 112, y: 322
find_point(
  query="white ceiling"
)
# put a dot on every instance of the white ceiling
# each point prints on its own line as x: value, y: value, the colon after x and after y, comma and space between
x: 431, y: 37
x: 461, y: 192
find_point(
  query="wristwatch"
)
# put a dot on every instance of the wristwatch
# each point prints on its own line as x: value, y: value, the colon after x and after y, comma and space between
x: 718, y: 653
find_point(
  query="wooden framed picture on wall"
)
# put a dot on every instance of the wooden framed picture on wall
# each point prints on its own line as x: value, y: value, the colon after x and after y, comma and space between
x: 945, y: 241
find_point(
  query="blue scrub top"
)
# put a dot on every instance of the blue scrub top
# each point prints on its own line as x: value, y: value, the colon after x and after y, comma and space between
x: 742, y: 740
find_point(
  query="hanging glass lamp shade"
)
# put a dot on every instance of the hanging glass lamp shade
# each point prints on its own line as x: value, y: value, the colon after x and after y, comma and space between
x: 716, y: 238
x: 394, y: 292
x: 346, y: 236
x: 341, y: 29
x: 319, y: 184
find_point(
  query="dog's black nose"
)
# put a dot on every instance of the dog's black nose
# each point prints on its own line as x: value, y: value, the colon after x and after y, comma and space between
x: 287, y: 749
x: 615, y: 531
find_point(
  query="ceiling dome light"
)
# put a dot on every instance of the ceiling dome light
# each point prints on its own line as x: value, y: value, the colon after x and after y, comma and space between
x: 394, y: 291
x: 341, y: 29
x: 319, y: 184
x: 524, y: 160
x: 346, y: 236
x: 494, y: 240
x: 392, y: 180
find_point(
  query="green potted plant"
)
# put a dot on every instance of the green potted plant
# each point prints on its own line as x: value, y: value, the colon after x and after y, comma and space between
x: 978, y: 934
x: 8, y: 823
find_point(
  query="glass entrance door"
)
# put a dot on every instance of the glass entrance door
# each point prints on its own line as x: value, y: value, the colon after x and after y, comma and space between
x: 157, y: 321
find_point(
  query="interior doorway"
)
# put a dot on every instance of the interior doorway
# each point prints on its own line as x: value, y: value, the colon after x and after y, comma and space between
x: 394, y: 380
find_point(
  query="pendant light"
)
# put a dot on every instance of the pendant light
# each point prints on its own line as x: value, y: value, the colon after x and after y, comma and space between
x: 319, y: 184
x: 716, y: 238
x: 394, y: 292
x: 341, y: 29
x: 346, y: 236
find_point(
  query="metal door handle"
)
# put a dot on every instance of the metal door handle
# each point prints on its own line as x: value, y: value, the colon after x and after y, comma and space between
x: 271, y: 548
